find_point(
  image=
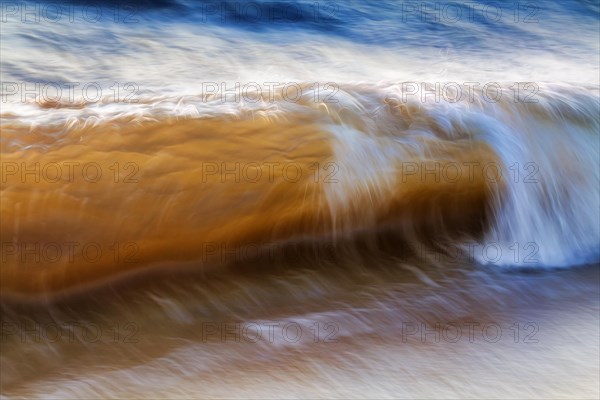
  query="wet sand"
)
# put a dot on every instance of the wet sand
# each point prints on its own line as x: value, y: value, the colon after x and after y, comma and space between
x: 387, y: 329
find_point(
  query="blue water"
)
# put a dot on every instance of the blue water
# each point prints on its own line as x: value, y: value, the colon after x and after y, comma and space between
x: 540, y: 41
x: 466, y: 24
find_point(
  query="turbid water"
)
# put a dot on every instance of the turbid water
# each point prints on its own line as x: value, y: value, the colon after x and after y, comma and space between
x: 299, y: 199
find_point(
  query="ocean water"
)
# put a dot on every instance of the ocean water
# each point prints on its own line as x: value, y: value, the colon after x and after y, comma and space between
x: 368, y: 173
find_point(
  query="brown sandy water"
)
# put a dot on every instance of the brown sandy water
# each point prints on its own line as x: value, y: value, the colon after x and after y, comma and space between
x: 393, y: 325
x: 105, y: 200
x: 314, y: 253
x: 299, y: 199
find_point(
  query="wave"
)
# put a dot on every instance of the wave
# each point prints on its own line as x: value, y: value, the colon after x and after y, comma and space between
x: 189, y: 181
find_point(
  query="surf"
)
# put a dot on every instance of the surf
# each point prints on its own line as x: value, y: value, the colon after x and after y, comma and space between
x: 508, y: 173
